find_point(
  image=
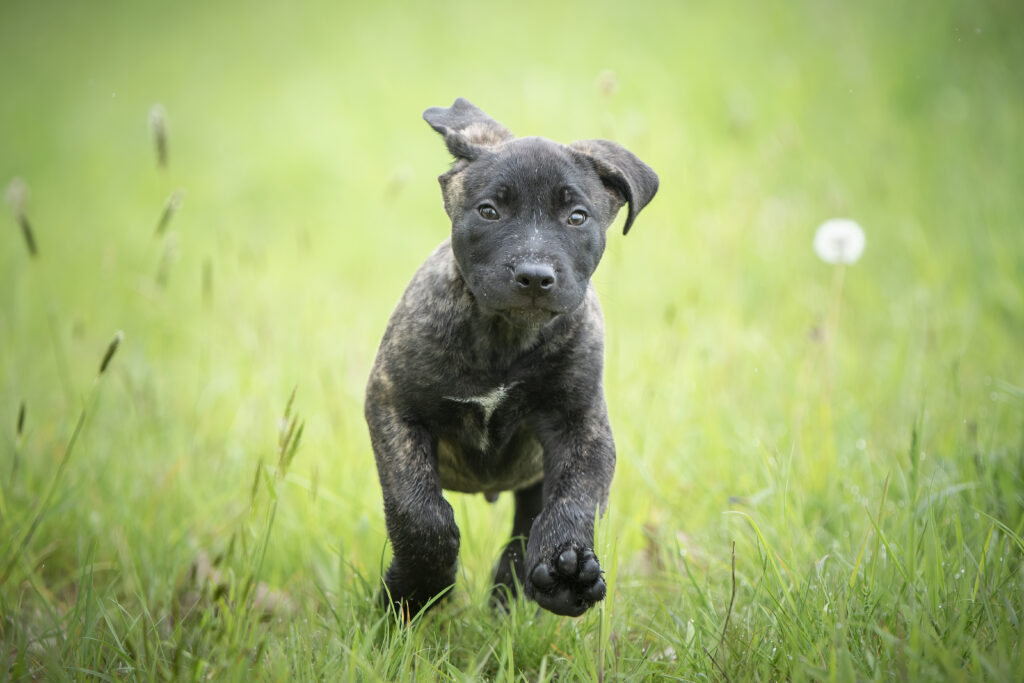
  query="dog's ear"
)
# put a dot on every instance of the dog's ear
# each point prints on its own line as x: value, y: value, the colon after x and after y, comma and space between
x: 467, y: 131
x: 628, y: 179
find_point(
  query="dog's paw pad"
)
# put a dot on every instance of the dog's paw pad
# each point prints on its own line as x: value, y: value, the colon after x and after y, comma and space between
x: 542, y: 577
x: 567, y: 564
x: 568, y: 583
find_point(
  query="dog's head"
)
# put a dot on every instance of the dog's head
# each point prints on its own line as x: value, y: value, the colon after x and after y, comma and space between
x: 529, y: 215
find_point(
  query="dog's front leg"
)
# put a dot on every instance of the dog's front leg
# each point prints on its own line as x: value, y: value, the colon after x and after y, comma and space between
x: 562, y: 571
x: 420, y: 522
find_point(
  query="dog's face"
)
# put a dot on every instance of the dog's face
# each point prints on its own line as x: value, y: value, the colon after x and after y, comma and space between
x: 528, y: 227
x: 529, y: 215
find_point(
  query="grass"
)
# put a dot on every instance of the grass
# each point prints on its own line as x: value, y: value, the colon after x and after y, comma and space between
x: 814, y: 482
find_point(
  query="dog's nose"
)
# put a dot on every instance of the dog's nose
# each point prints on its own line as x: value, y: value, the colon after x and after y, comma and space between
x: 534, y: 278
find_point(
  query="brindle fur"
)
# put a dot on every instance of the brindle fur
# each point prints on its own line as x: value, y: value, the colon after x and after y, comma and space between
x: 488, y: 377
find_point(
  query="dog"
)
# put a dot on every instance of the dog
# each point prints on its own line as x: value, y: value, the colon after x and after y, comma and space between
x: 489, y: 374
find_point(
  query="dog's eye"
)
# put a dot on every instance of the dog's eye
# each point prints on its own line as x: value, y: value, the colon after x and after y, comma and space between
x: 488, y: 212
x: 577, y: 218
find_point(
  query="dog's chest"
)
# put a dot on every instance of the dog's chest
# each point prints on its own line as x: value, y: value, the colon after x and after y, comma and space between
x: 487, y: 446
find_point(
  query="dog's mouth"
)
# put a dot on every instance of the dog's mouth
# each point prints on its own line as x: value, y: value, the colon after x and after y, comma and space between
x: 523, y: 316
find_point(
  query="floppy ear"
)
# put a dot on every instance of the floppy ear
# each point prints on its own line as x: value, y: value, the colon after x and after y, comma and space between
x: 628, y: 179
x: 467, y: 131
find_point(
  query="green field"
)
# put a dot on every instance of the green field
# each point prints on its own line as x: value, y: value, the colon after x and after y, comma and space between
x: 820, y: 472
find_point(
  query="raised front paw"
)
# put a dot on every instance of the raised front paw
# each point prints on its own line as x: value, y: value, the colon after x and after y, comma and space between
x: 569, y: 582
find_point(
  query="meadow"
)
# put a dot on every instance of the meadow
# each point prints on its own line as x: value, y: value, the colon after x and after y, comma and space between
x: 820, y: 468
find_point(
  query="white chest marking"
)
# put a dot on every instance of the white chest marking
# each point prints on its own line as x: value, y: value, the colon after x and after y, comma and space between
x: 489, y: 401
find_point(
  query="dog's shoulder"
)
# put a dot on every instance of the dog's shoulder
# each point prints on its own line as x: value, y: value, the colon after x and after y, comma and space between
x: 423, y: 323
x: 436, y: 297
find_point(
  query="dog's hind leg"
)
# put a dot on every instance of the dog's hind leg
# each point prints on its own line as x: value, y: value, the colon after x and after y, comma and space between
x: 509, y: 573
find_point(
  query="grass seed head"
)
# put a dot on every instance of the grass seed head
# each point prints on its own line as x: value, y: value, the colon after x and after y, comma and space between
x: 158, y: 128
x: 171, y: 207
x: 28, y: 234
x: 16, y: 194
x: 289, y: 435
x: 111, y: 350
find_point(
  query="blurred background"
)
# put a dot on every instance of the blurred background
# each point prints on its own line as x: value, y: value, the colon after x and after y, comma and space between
x: 303, y: 193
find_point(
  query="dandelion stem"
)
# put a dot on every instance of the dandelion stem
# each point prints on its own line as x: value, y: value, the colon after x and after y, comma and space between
x: 832, y: 331
x: 831, y: 342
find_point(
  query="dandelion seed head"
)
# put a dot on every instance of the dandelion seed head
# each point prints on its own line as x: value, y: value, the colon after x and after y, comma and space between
x: 839, y: 240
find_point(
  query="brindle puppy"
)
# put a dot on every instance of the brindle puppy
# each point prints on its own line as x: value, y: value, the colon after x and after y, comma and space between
x: 488, y: 378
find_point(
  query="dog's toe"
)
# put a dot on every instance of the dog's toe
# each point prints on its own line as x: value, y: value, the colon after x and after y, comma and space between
x: 590, y: 570
x: 567, y: 565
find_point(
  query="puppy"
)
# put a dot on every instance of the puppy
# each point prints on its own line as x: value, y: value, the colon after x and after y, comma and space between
x: 488, y: 377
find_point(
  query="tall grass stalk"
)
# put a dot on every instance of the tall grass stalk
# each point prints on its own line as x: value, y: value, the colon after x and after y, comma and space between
x: 15, y: 551
x: 17, y: 196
